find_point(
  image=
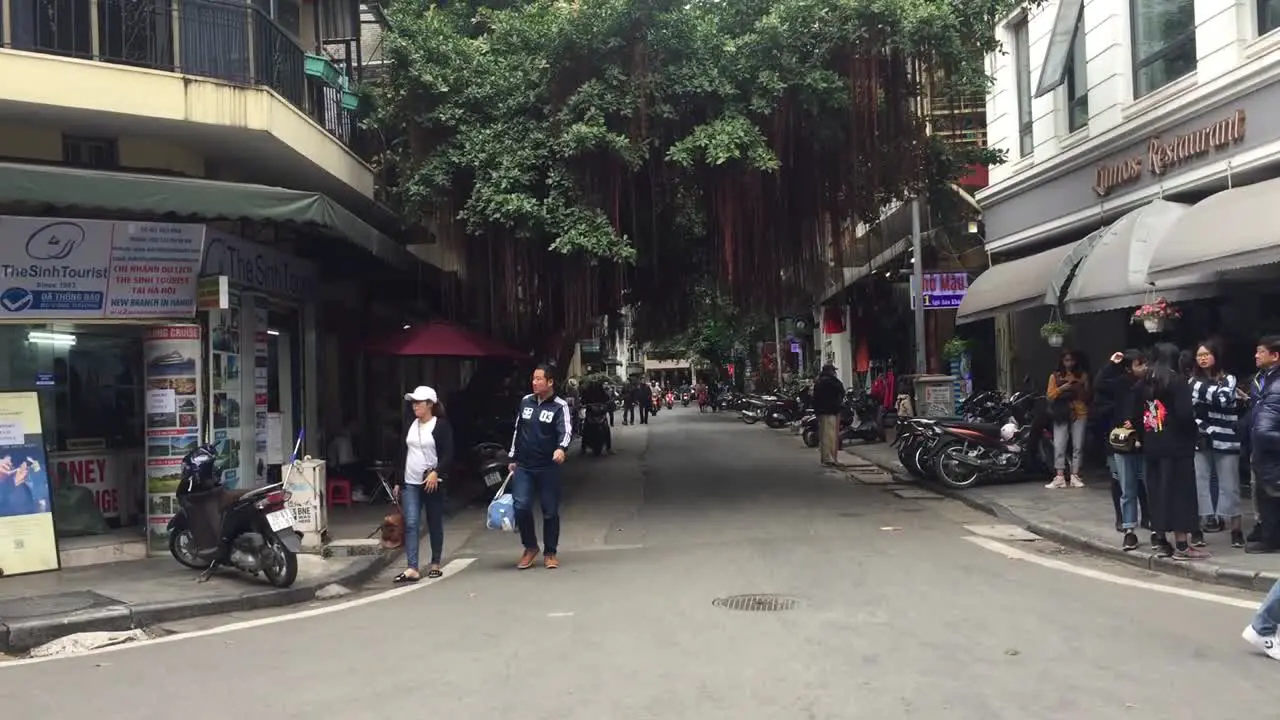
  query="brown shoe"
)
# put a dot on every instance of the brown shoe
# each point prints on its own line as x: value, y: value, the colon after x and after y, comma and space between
x: 551, y: 561
x: 526, y: 560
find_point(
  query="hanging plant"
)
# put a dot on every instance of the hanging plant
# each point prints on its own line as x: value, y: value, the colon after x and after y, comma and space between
x: 1055, y: 332
x: 956, y: 347
x: 1156, y: 316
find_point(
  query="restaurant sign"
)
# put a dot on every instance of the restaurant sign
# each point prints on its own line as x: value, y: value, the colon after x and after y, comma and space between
x: 1161, y: 156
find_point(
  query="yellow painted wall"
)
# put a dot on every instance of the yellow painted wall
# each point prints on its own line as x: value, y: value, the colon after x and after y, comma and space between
x: 44, y: 144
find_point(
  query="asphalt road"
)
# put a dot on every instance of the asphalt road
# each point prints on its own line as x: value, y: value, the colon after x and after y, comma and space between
x: 898, y: 617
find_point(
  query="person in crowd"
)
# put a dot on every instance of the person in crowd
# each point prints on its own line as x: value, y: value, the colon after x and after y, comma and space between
x: 1068, y: 393
x: 428, y: 456
x: 1214, y: 394
x: 594, y: 393
x: 1261, y: 431
x: 1114, y: 407
x: 544, y: 429
x: 1168, y: 447
x: 828, y: 400
x: 644, y: 400
x: 629, y: 402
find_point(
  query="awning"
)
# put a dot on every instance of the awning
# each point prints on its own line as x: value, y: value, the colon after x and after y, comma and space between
x: 190, y: 199
x: 1113, y: 272
x: 1232, y: 229
x: 439, y: 338
x: 1065, y: 26
x: 1018, y: 285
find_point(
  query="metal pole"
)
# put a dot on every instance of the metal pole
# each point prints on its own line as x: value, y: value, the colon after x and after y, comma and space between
x: 777, y: 349
x: 917, y: 277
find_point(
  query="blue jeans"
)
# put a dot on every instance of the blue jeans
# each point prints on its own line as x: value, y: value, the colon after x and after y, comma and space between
x: 1127, y: 468
x: 1268, y: 617
x: 545, y: 483
x: 413, y: 500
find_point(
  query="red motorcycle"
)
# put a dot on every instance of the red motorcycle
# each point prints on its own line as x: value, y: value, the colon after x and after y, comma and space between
x: 704, y: 400
x: 671, y: 399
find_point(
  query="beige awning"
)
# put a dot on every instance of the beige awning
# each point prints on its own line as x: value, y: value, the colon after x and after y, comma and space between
x: 1018, y: 285
x: 1113, y: 272
x: 1233, y: 229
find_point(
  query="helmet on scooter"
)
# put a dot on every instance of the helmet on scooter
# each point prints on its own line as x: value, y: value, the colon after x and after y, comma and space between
x: 199, y: 470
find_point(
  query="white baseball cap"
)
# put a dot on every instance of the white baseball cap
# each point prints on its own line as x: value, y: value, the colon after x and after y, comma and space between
x: 422, y: 393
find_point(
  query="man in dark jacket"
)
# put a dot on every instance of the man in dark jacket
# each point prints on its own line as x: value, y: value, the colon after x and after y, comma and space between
x: 1262, y: 434
x: 644, y: 400
x: 828, y: 399
x: 544, y: 429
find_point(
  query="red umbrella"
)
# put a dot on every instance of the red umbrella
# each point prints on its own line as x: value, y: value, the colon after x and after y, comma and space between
x: 440, y: 338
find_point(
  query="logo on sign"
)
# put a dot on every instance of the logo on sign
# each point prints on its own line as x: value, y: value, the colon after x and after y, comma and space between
x: 15, y: 299
x: 55, y: 241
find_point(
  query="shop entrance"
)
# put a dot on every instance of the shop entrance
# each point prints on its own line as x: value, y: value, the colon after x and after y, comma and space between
x: 284, y: 387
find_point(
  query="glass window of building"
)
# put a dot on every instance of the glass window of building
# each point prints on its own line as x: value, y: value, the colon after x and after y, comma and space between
x: 1268, y: 16
x: 1022, y: 70
x: 1077, y: 82
x: 1164, y: 43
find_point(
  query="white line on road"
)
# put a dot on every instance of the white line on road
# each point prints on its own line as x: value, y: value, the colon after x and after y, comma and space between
x: 1016, y: 554
x: 452, y: 568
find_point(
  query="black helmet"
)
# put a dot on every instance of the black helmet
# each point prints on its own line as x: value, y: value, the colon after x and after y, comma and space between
x: 199, y: 471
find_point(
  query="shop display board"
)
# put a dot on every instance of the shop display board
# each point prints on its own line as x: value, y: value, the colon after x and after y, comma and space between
x: 226, y: 368
x: 260, y: 389
x: 172, y: 357
x: 27, y: 540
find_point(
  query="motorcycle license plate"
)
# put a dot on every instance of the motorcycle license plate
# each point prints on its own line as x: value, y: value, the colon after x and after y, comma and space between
x: 280, y: 519
x: 493, y: 478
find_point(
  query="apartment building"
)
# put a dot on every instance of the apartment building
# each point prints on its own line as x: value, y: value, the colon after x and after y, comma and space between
x: 1140, y: 139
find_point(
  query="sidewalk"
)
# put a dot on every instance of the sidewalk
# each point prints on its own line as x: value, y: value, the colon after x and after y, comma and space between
x: 1084, y: 519
x: 35, y: 609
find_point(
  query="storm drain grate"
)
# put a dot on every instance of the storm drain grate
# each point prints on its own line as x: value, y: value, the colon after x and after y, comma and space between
x: 757, y: 603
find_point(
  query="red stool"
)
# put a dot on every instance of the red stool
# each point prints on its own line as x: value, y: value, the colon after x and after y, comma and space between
x: 338, y: 491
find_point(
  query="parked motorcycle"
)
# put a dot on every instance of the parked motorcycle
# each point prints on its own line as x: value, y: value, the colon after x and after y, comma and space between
x: 966, y: 454
x: 251, y: 531
x: 595, y: 429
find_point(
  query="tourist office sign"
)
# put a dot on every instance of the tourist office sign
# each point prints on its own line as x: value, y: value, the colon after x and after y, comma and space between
x: 1161, y: 155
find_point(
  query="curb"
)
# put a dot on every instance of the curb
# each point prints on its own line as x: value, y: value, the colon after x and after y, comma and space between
x: 20, y: 636
x: 1064, y: 535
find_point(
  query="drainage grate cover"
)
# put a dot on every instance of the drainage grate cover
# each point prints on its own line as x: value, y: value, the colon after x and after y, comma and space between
x: 757, y: 603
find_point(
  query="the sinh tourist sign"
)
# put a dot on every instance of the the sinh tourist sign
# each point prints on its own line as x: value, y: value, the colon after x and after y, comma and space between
x: 1164, y: 155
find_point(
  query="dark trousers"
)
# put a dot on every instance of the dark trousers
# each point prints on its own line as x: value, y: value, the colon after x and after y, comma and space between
x: 544, y: 484
x: 644, y: 413
x: 628, y: 414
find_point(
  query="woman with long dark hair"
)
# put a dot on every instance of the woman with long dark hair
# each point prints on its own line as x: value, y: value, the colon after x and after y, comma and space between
x: 1168, y: 446
x: 1213, y: 391
x: 1068, y: 393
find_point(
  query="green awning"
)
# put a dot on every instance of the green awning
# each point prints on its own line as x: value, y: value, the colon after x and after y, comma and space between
x: 189, y: 199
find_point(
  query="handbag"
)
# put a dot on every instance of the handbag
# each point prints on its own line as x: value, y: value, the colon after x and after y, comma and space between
x: 1123, y: 440
x: 501, y: 514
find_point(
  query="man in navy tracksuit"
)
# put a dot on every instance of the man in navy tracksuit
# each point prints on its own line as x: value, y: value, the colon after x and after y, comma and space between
x: 542, y: 435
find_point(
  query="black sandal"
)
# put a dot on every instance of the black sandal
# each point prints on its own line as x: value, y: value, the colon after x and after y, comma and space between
x: 405, y: 577
x: 434, y: 573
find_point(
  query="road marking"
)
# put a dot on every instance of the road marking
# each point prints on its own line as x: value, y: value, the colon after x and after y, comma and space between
x: 1016, y: 554
x: 452, y: 568
x: 559, y: 614
x: 1002, y: 532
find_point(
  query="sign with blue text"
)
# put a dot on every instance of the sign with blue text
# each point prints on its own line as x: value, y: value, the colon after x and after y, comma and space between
x: 944, y: 290
x: 56, y: 268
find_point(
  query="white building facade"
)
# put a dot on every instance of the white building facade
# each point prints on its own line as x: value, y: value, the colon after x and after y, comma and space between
x: 1119, y: 119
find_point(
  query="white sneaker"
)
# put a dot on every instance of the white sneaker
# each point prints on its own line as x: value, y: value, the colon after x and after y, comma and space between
x: 1058, y: 483
x: 1268, y: 645
x: 1076, y: 482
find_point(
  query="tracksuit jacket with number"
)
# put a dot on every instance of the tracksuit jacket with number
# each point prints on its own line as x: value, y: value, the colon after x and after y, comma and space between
x: 542, y: 427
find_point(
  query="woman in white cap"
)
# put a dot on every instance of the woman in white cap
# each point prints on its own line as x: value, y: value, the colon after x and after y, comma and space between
x: 428, y: 455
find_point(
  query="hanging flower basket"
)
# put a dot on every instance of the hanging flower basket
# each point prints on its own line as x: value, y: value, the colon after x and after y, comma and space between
x: 1157, y: 316
x: 1055, y: 332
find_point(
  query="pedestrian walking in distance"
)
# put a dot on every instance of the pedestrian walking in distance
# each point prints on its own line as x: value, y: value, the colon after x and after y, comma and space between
x: 428, y: 454
x: 828, y: 400
x: 538, y: 447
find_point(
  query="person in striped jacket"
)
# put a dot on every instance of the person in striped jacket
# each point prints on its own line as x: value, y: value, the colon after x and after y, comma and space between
x: 1218, y: 406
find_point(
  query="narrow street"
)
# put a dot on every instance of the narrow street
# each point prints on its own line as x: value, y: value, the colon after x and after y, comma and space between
x: 897, y: 615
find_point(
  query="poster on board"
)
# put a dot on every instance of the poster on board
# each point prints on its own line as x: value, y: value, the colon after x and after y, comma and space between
x: 171, y: 354
x: 226, y: 368
x: 27, y: 540
x: 261, y: 355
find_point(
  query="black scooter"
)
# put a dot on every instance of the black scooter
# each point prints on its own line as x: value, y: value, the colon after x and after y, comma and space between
x: 249, y: 530
x: 595, y: 429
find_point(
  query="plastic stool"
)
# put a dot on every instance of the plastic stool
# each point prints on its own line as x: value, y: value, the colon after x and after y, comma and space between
x: 338, y: 491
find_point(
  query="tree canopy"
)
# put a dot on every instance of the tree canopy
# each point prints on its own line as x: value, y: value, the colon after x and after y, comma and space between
x: 596, y: 152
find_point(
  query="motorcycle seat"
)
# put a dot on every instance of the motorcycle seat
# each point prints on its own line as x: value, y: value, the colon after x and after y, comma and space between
x: 984, y: 428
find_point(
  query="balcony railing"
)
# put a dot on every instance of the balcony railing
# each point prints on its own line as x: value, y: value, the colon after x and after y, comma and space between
x: 236, y: 43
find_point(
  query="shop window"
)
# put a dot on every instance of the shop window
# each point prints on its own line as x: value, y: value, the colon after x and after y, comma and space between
x: 1022, y: 71
x: 1077, y: 82
x: 1268, y: 16
x: 1164, y: 43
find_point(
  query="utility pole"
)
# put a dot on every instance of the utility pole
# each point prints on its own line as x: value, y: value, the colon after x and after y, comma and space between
x: 917, y: 281
x: 777, y: 348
